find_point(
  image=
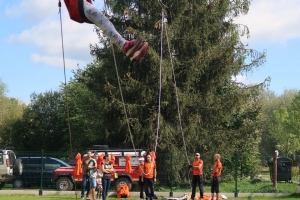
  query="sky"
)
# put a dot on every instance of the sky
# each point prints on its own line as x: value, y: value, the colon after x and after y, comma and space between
x: 31, y: 49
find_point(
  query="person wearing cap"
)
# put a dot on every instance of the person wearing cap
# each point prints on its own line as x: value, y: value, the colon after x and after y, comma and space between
x: 216, y: 175
x: 139, y: 171
x: 197, y: 169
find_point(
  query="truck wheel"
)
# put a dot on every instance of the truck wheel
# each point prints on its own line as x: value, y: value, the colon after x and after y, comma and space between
x: 18, y: 167
x: 123, y: 180
x: 64, y: 184
x: 18, y: 183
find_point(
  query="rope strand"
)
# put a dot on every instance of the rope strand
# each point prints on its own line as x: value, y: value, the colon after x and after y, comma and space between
x: 177, y: 99
x: 160, y: 79
x: 63, y: 52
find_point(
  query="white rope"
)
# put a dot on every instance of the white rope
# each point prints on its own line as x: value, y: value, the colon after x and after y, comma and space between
x: 121, y: 93
x: 160, y: 80
x: 177, y: 99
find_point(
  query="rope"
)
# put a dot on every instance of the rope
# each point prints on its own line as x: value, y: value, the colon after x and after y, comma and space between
x: 160, y: 79
x: 120, y: 89
x: 63, y: 52
x: 67, y: 105
x: 177, y: 99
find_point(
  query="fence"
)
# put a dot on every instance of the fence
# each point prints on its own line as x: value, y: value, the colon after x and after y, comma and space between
x: 172, y: 169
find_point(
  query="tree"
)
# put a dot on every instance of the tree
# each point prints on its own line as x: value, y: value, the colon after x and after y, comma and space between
x: 43, y: 125
x: 286, y: 128
x: 218, y: 114
x: 273, y: 108
x: 11, y: 109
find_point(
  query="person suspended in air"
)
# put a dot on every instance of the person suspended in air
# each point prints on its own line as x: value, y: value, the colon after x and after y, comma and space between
x: 84, y: 11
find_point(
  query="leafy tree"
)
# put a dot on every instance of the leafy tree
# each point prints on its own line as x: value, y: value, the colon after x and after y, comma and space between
x: 270, y: 121
x: 285, y: 128
x: 43, y: 125
x: 11, y: 109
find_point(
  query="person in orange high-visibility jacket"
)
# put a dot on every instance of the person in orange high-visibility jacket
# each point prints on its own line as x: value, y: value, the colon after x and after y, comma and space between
x: 139, y: 171
x: 197, y: 169
x: 216, y: 175
x: 78, y: 167
x: 128, y: 168
x: 149, y: 174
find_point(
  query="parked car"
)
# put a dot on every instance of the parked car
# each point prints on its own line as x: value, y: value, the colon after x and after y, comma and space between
x: 34, y: 167
x: 10, y: 167
x: 71, y: 162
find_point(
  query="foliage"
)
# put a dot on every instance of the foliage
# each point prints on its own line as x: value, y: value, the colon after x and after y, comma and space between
x: 217, y: 114
x: 285, y: 128
x: 43, y: 125
x: 11, y: 109
x: 270, y: 103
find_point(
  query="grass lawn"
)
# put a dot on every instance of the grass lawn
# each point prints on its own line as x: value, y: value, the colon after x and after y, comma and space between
x: 292, y: 197
x: 244, y: 186
x: 65, y: 197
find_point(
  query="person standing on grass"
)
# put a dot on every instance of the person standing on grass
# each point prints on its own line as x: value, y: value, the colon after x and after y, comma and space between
x: 216, y: 175
x: 139, y: 171
x: 107, y: 168
x: 85, y: 185
x: 149, y: 174
x: 197, y: 169
x: 92, y: 167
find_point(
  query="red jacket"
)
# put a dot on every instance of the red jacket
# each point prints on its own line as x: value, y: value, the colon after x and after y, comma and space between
x: 75, y: 9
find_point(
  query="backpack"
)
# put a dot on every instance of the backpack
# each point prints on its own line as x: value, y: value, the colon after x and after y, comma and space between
x: 123, y: 191
x: 76, y: 12
x: 89, y: 170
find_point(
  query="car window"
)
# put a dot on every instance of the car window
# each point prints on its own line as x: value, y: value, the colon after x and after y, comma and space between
x: 1, y: 159
x: 11, y: 156
x: 51, y: 164
x: 63, y: 163
x: 32, y: 163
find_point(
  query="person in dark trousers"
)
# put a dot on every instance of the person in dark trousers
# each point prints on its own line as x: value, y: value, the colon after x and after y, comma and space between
x: 84, y: 185
x: 139, y: 171
x: 149, y: 174
x: 216, y: 176
x: 107, y: 169
x: 197, y: 169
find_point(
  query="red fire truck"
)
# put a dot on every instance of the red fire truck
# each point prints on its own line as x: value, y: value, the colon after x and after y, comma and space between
x: 65, y: 178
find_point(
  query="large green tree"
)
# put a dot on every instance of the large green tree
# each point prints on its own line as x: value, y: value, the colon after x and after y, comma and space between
x: 204, y: 44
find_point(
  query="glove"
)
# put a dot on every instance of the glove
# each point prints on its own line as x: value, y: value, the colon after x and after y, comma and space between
x: 190, y: 166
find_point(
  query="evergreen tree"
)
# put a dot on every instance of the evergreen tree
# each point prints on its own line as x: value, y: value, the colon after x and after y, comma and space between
x: 206, y: 50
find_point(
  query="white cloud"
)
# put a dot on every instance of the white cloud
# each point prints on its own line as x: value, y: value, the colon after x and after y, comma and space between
x: 272, y: 20
x: 55, y: 61
x: 244, y: 79
x: 32, y: 10
x: 45, y: 34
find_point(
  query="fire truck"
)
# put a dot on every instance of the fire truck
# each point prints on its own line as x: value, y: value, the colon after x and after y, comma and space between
x: 65, y: 178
